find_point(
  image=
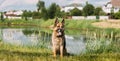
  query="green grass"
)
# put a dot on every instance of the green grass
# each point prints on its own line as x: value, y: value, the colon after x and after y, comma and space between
x: 41, y: 23
x: 71, y: 24
x: 21, y: 53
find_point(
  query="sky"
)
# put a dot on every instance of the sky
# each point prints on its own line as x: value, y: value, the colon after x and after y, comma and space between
x: 6, y: 5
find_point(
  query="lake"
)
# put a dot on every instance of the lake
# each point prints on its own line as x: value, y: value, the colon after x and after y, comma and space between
x: 77, y: 41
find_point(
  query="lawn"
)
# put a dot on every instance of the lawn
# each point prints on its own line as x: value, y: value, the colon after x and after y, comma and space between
x: 21, y: 53
x: 41, y: 23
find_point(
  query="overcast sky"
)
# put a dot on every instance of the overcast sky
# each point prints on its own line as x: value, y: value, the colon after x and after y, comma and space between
x: 31, y: 4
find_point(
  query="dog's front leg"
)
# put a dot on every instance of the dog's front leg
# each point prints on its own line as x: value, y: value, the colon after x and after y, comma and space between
x: 54, y: 52
x: 61, y: 51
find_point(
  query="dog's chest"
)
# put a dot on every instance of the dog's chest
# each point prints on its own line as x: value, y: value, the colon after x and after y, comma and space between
x: 58, y: 39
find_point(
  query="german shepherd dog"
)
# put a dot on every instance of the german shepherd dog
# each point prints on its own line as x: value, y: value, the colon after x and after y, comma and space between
x: 58, y: 39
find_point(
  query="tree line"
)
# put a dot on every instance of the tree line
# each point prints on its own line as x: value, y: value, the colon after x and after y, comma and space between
x: 54, y: 10
x: 43, y: 12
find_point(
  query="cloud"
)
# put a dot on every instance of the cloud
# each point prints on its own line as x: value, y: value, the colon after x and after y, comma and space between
x: 98, y: 2
x: 62, y: 2
x: 66, y: 2
x: 7, y: 4
x: 30, y: 2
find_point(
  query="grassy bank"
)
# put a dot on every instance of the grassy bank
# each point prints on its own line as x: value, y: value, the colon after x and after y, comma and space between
x: 71, y: 24
x: 22, y: 53
x: 41, y: 23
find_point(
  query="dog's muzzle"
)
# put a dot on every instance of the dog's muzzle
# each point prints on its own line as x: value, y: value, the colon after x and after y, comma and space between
x: 59, y: 31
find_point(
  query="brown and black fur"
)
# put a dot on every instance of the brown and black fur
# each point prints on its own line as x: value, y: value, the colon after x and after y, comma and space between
x: 58, y: 39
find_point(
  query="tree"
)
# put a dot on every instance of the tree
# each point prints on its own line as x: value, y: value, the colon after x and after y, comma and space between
x: 29, y: 14
x: 52, y: 11
x: 76, y: 12
x: 26, y: 14
x: 97, y: 11
x: 2, y: 17
x: 36, y: 15
x: 88, y: 9
x: 44, y: 13
x: 58, y: 12
x: 116, y: 15
x: 40, y: 5
x: 102, y: 13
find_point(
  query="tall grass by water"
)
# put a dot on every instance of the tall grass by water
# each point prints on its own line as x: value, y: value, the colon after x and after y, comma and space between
x: 100, y: 46
x: 22, y: 53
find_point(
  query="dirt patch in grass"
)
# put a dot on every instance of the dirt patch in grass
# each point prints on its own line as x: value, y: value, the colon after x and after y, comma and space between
x: 107, y: 24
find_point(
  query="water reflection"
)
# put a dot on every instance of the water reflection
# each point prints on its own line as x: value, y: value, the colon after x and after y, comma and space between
x: 32, y: 37
x: 16, y: 36
x: 76, y: 44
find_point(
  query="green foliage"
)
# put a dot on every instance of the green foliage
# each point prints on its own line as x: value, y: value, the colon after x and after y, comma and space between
x: 1, y: 16
x: 52, y: 10
x: 40, y: 5
x: 76, y: 12
x: 26, y: 14
x: 61, y: 14
x: 58, y: 12
x: 116, y: 15
x: 97, y: 10
x: 44, y: 13
x: 98, y: 46
x: 28, y: 32
x: 88, y: 9
x: 36, y: 15
x: 102, y: 13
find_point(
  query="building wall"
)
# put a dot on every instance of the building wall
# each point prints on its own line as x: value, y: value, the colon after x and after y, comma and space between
x: 13, y: 17
x: 13, y: 14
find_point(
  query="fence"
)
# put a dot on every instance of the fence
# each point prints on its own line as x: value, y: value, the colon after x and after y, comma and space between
x: 91, y: 17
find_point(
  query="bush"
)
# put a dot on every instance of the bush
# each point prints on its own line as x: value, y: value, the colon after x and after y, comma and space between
x: 116, y: 15
x: 36, y: 15
x: 76, y: 12
x: 88, y: 9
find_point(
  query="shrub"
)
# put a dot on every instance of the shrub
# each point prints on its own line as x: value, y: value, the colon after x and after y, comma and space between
x: 76, y: 12
x: 116, y: 15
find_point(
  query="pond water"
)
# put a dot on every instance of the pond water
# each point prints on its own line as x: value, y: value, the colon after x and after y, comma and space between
x: 76, y: 43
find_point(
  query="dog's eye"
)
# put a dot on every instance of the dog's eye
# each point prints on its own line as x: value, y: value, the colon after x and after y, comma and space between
x: 58, y: 26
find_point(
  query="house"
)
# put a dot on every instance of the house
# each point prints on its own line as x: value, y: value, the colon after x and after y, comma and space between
x: 67, y: 8
x: 112, y: 6
x: 116, y: 3
x: 13, y: 14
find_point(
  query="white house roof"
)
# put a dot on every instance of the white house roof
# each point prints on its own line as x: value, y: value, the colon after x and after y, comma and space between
x: 14, y: 13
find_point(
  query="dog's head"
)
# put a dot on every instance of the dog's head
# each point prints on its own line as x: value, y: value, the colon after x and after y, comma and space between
x: 59, y: 28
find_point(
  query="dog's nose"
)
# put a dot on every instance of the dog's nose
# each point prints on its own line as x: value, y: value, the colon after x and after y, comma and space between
x: 59, y: 30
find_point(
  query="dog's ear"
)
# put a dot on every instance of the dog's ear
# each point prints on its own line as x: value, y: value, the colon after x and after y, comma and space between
x: 63, y: 21
x: 56, y: 21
